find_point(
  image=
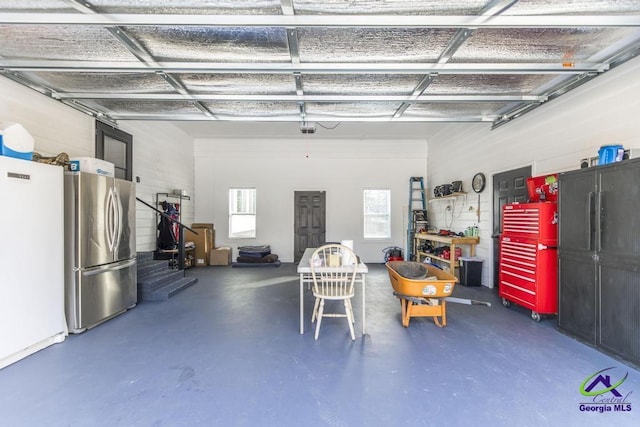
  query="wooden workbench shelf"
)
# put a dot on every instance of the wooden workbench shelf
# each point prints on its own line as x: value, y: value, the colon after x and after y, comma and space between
x: 452, y: 241
x: 450, y: 196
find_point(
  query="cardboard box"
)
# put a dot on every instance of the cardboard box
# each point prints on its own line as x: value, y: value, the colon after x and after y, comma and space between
x: 204, y: 243
x: 220, y: 256
x: 91, y: 165
x: 202, y: 225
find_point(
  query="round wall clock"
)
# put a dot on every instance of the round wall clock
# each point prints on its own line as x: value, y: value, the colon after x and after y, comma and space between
x: 478, y: 182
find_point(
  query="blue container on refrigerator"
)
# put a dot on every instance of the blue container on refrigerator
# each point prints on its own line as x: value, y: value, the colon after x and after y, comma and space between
x: 15, y: 141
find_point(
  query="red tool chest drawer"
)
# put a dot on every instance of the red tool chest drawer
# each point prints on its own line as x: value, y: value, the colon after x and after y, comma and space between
x: 531, y: 220
x: 528, y: 274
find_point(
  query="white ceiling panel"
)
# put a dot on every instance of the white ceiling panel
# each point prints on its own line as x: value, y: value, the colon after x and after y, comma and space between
x: 546, y: 45
x: 372, y: 44
x: 68, y: 42
x: 239, y: 84
x: 215, y: 7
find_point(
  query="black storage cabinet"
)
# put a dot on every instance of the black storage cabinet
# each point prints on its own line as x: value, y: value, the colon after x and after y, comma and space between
x: 599, y: 257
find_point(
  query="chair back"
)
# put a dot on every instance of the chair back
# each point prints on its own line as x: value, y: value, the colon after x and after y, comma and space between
x: 333, y: 269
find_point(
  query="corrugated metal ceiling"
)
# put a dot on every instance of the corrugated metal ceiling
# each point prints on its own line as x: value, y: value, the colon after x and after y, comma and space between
x: 306, y: 60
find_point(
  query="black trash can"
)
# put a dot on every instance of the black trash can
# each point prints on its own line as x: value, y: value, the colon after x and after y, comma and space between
x: 470, y: 271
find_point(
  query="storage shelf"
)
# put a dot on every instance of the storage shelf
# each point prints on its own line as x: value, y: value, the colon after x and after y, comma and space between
x: 182, y: 259
x: 455, y: 263
x: 452, y: 241
x: 177, y: 196
x: 450, y: 196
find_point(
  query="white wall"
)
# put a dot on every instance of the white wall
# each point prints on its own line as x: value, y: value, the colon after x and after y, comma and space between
x: 163, y: 161
x: 277, y: 168
x: 55, y: 127
x: 552, y: 138
x: 163, y: 155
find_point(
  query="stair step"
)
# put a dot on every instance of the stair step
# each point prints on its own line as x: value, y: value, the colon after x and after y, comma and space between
x: 144, y: 256
x: 147, y: 268
x: 160, y: 278
x: 168, y: 290
x: 156, y: 281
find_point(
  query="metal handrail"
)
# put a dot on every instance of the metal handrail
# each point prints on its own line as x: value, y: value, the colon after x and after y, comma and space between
x: 180, y: 239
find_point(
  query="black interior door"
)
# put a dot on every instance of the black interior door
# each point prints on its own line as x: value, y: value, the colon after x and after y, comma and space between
x: 309, y: 221
x: 508, y: 187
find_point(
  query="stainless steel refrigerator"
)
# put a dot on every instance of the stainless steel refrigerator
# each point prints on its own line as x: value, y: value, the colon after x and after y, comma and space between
x: 100, y: 249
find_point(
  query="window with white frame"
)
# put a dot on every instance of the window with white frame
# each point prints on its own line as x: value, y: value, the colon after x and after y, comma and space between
x: 377, y: 214
x: 242, y: 213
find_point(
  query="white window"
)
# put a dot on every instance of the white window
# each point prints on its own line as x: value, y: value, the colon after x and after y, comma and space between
x: 377, y: 214
x: 242, y: 213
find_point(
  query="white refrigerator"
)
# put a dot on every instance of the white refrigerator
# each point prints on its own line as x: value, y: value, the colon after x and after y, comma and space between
x: 32, y: 261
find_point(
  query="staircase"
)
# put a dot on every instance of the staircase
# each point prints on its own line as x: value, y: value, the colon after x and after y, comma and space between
x: 156, y: 281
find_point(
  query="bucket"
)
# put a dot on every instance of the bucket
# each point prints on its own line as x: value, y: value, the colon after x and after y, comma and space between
x: 15, y: 141
x: 610, y: 154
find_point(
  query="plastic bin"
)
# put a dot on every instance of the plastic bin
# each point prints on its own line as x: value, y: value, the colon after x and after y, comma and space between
x: 470, y: 271
x: 610, y: 154
x: 15, y: 141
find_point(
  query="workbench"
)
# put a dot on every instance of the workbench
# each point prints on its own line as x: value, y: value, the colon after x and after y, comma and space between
x: 452, y: 242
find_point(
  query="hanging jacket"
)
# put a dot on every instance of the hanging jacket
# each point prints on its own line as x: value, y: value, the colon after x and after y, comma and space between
x: 166, y: 238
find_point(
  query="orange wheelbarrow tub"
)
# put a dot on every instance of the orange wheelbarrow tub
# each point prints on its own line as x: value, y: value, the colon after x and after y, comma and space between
x: 421, y: 297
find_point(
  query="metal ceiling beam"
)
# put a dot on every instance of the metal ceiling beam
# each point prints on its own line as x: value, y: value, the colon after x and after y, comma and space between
x: 287, y: 7
x: 19, y: 78
x: 417, y: 93
x: 138, y: 50
x: 494, y: 7
x: 81, y: 6
x: 297, y: 98
x: 292, y: 39
x: 301, y: 21
x: 296, y: 118
x: 552, y: 94
x: 120, y: 34
x: 309, y: 68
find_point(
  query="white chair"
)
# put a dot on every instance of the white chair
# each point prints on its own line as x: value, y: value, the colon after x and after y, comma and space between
x: 333, y: 269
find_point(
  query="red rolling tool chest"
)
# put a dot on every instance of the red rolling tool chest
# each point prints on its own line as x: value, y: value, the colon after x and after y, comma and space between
x: 528, y: 257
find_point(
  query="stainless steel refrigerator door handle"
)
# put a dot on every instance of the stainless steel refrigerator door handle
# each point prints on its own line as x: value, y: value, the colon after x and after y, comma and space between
x: 109, y: 222
x: 107, y: 214
x: 105, y: 268
x: 117, y: 215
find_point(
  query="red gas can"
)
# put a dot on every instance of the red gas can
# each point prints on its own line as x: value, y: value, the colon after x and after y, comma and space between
x: 446, y: 254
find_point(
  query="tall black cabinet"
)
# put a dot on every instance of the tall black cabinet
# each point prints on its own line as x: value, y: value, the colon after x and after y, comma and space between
x: 599, y: 257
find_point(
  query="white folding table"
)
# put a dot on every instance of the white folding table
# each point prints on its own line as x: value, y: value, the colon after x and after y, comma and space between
x: 304, y: 270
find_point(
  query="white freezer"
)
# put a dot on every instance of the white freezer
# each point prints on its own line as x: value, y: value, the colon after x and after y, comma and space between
x: 32, y: 260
